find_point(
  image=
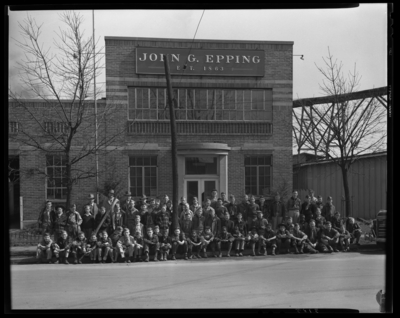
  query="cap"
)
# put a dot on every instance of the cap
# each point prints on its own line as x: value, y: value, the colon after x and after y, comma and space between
x: 120, y: 228
x: 128, y: 194
x: 91, y: 196
x: 259, y: 211
x: 111, y: 191
x: 329, y: 198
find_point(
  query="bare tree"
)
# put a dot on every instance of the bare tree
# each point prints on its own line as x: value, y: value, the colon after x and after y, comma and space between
x: 346, y: 123
x: 61, y: 78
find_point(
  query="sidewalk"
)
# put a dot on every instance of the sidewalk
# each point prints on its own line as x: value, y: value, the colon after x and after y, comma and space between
x: 27, y: 254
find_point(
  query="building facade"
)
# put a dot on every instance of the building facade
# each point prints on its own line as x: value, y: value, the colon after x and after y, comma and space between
x: 233, y: 103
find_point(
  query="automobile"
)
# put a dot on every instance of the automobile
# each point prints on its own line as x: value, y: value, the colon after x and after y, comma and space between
x: 380, y: 228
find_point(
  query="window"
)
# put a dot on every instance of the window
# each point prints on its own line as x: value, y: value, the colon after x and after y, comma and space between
x: 258, y: 174
x: 13, y: 127
x: 201, y: 104
x: 56, y: 177
x: 143, y: 175
x: 201, y: 165
x: 56, y: 127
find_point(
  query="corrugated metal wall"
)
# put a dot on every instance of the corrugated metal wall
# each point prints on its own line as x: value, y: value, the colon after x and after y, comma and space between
x: 367, y: 181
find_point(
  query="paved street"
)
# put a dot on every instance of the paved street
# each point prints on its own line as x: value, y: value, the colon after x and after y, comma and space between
x: 342, y: 280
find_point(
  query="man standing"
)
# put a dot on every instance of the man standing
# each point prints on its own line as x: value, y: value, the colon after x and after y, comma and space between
x: 278, y: 211
x: 110, y: 203
x: 293, y: 207
x: 93, y: 206
x: 125, y: 204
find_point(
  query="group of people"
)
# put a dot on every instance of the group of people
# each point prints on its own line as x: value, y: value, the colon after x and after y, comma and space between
x: 131, y: 231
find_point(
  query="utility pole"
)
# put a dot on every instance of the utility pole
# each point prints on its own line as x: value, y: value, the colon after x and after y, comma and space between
x: 95, y: 116
x: 173, y: 147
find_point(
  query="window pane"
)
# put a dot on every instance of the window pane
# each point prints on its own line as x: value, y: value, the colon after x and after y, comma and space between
x: 201, y: 165
x: 50, y: 193
x: 182, y: 98
x: 49, y: 160
x: 253, y: 171
x: 132, y: 161
x: 247, y: 100
x: 219, y: 99
x: 268, y: 160
x: 257, y: 99
x: 253, y: 160
x: 260, y: 160
x: 154, y: 162
x: 201, y: 99
x: 147, y: 182
x: 261, y: 171
x: 147, y: 172
x: 239, y: 99
x: 219, y: 114
x: 57, y: 160
x: 190, y: 98
x: 57, y: 193
x: 161, y: 98
x: 139, y: 114
x: 153, y: 98
x: 146, y: 161
x: 139, y: 161
x: 229, y: 99
x: 246, y: 161
x: 131, y: 97
x: 153, y: 182
x: 50, y: 172
x: 211, y: 98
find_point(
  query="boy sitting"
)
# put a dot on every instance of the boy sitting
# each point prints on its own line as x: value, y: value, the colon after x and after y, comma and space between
x: 194, y: 243
x: 354, y: 230
x: 178, y: 239
x: 92, y: 248
x: 282, y: 239
x: 78, y: 247
x: 225, y: 238
x: 302, y: 222
x: 269, y: 238
x: 299, y: 239
x: 128, y: 244
x: 344, y: 238
x: 116, y: 244
x: 61, y: 248
x: 104, y: 247
x: 206, y: 239
x: 151, y: 245
x: 330, y: 237
x: 44, y: 249
x: 165, y: 245
x: 239, y: 240
x: 137, y: 254
x: 252, y: 239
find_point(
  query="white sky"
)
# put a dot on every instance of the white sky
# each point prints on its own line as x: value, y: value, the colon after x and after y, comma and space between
x: 356, y: 35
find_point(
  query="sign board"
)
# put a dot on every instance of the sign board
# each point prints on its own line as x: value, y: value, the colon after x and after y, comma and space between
x: 201, y: 62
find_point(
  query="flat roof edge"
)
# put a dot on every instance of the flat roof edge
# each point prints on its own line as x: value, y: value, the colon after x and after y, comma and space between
x: 197, y: 40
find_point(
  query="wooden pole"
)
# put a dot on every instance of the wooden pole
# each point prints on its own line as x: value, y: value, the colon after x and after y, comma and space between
x: 173, y: 147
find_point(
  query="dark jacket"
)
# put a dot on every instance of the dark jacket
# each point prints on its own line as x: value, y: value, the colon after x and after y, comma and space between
x: 278, y: 209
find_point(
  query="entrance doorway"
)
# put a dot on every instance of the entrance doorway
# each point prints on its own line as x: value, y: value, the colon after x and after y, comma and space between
x: 200, y: 188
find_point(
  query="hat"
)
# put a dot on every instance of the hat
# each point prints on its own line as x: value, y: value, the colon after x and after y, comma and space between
x: 259, y: 211
x: 222, y: 193
x: 282, y: 224
x: 128, y: 194
x: 91, y: 196
x: 329, y: 198
x: 120, y: 228
x: 144, y: 196
x: 111, y: 191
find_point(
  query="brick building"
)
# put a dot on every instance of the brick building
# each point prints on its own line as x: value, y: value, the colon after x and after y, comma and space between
x: 233, y: 111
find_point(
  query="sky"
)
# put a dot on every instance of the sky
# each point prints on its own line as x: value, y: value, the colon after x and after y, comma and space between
x: 354, y: 36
